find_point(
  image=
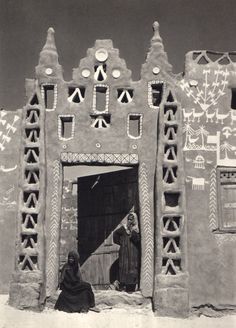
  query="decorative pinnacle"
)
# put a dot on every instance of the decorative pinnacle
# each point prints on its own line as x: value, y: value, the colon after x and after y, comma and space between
x: 156, y: 37
x: 50, y: 42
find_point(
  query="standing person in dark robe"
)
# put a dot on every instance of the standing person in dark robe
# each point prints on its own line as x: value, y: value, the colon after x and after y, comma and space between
x: 128, y: 237
x: 76, y: 294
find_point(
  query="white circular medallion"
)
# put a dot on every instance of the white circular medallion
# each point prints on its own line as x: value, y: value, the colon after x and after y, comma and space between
x: 85, y: 72
x: 134, y: 146
x: 48, y: 71
x: 156, y: 70
x: 64, y: 146
x: 98, y: 145
x: 116, y: 73
x: 101, y: 55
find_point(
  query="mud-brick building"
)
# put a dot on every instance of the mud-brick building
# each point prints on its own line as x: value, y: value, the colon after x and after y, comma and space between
x: 101, y: 145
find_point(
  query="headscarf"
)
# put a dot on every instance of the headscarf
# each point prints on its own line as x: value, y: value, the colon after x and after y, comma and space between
x: 135, y: 226
x: 75, y: 256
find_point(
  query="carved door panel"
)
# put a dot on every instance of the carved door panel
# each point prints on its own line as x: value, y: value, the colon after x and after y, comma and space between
x: 103, y: 202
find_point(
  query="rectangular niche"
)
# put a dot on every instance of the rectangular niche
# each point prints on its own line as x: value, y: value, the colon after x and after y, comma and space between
x: 49, y: 94
x: 134, y: 126
x: 172, y: 201
x: 66, y: 127
x: 101, y: 97
x: 155, y: 93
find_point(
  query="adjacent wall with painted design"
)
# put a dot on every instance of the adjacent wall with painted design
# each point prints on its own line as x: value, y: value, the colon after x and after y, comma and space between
x: 209, y: 134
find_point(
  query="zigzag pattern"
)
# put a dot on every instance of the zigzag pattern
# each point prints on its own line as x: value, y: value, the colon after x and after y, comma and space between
x: 147, y: 237
x: 213, y: 201
x: 54, y: 232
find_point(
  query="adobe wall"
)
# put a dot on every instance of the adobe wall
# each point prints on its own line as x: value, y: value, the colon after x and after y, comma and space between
x: 9, y: 164
x: 209, y: 141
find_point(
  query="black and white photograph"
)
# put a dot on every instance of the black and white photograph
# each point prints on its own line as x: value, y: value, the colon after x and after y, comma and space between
x: 117, y: 163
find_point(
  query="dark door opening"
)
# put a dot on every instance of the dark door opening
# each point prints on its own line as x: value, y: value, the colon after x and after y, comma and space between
x: 104, y: 201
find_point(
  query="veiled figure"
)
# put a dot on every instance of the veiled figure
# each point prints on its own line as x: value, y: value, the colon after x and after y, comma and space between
x: 128, y: 237
x: 76, y: 294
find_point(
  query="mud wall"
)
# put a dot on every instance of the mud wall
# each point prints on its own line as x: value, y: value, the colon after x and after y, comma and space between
x: 9, y: 163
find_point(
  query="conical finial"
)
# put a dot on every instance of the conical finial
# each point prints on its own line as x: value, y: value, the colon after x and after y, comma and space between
x: 156, y: 37
x: 156, y: 58
x: 48, y: 57
x: 50, y: 42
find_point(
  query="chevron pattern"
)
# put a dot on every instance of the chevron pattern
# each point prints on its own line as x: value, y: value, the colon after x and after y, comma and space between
x: 213, y: 201
x: 147, y: 236
x: 52, y: 259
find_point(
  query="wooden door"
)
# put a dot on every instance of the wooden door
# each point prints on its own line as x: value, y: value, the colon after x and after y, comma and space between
x: 104, y: 200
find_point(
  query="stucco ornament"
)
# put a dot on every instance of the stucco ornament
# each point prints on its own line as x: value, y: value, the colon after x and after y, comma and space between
x: 101, y: 55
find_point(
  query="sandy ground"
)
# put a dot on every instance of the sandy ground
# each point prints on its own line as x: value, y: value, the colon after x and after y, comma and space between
x: 109, y: 318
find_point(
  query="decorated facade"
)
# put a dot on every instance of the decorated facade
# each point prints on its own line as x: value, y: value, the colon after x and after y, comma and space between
x: 89, y: 151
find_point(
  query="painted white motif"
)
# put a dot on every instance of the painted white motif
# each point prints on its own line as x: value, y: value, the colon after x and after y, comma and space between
x: 210, y: 92
x: 9, y: 169
x: 226, y: 148
x: 9, y: 128
x: 197, y: 183
x: 224, y: 152
x: 220, y: 116
x: 227, y: 131
x: 196, y: 139
x: 197, y: 115
x: 209, y: 116
x: 187, y: 115
x: 199, y: 162
x: 7, y: 199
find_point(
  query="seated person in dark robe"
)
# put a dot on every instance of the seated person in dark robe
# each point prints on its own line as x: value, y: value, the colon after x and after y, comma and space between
x: 76, y: 294
x: 128, y: 237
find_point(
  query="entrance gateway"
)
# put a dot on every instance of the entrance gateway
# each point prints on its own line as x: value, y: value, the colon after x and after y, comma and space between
x: 103, y: 202
x: 136, y: 125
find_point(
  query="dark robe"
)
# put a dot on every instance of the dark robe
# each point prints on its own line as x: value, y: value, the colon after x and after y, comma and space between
x: 129, y: 255
x: 76, y: 295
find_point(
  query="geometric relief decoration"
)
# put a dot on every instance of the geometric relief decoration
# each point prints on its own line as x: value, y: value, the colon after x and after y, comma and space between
x: 147, y: 234
x: 171, y: 210
x: 99, y: 158
x: 52, y: 261
x: 28, y: 235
